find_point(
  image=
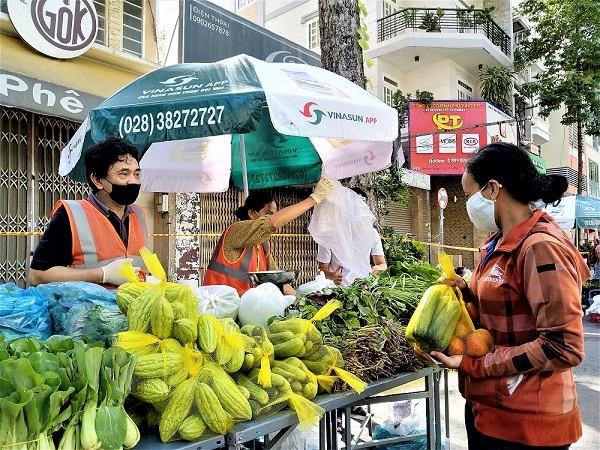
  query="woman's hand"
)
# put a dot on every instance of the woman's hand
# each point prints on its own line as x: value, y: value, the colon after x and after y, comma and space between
x: 456, y: 282
x: 447, y: 362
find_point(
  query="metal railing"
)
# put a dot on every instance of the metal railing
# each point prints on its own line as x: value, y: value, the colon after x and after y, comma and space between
x: 452, y: 21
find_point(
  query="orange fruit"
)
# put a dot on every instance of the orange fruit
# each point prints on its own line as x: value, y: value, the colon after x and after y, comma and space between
x: 478, y: 343
x: 456, y: 346
x: 473, y: 311
x: 461, y: 330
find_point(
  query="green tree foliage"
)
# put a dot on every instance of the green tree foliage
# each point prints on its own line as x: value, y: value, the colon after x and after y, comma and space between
x: 400, y: 103
x: 567, y: 41
x: 497, y: 85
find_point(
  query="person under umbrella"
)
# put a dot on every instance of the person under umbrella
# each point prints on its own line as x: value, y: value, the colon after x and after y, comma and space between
x: 244, y: 246
x: 89, y: 240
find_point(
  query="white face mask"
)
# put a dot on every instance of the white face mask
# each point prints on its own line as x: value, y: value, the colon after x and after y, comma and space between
x: 481, y: 212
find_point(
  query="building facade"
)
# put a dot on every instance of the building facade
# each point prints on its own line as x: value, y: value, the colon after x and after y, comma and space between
x: 440, y: 47
x: 43, y: 100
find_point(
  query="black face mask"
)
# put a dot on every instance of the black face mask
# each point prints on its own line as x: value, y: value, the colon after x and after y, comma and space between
x: 124, y: 194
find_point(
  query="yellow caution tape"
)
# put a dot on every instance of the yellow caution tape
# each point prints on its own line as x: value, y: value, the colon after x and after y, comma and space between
x: 21, y: 233
x: 279, y: 235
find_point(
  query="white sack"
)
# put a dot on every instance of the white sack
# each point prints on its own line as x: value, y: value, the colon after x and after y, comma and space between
x: 258, y: 304
x: 219, y: 300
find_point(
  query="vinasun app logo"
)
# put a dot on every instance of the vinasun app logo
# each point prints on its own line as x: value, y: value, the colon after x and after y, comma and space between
x: 317, y: 115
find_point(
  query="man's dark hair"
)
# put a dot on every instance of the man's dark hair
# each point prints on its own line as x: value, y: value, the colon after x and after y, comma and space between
x: 255, y: 201
x: 101, y: 156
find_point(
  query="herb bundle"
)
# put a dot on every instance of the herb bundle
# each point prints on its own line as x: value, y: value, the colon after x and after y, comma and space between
x: 369, y: 326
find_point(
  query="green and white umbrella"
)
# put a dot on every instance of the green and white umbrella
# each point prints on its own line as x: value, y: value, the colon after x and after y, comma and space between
x: 581, y: 209
x: 273, y: 125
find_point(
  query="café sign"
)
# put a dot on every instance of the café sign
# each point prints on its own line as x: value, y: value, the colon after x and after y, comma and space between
x: 58, y: 28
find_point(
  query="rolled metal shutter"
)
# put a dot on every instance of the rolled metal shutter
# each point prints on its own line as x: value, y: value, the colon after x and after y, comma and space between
x: 398, y: 218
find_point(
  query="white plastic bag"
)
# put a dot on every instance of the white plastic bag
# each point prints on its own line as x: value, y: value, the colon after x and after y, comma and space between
x: 594, y: 307
x: 320, y: 282
x: 405, y: 418
x: 258, y: 304
x: 301, y: 440
x: 343, y: 223
x: 219, y: 300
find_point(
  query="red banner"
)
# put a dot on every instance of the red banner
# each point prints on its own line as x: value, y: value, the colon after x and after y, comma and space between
x: 445, y: 134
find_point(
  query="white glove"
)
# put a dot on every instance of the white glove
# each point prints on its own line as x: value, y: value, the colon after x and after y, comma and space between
x: 323, y: 187
x: 109, y: 272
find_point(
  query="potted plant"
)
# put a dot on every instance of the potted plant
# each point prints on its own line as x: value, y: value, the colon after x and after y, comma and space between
x: 465, y: 18
x: 409, y: 18
x: 484, y: 16
x: 497, y: 85
x: 431, y: 21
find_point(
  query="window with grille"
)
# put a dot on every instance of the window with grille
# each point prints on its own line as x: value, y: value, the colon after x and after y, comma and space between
x: 389, y: 7
x: 520, y: 36
x: 313, y: 35
x: 464, y: 91
x: 597, y: 143
x: 100, y: 6
x: 133, y: 13
x: 389, y: 87
x: 593, y: 173
x: 243, y: 3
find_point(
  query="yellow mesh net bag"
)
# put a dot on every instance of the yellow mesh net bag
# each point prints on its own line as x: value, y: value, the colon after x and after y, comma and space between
x: 328, y: 360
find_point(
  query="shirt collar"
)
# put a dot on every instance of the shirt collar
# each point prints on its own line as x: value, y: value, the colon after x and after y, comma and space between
x: 514, y: 238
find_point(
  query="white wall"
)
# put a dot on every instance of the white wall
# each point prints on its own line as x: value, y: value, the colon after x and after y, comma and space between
x: 289, y: 21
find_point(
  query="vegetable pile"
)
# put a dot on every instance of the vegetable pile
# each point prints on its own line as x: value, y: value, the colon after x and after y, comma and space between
x: 369, y: 328
x: 62, y: 386
x: 202, y: 374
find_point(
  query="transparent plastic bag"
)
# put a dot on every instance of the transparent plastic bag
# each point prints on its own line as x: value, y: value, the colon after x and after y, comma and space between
x: 82, y: 309
x: 405, y: 417
x: 301, y: 439
x: 320, y: 282
x: 343, y: 223
x: 436, y: 298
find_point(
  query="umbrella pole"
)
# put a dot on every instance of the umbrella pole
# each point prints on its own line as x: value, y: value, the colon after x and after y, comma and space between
x: 244, y: 169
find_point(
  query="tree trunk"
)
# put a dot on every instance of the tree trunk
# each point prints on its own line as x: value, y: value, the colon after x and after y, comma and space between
x: 339, y: 21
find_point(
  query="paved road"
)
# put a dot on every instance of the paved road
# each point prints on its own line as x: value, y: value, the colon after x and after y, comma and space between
x: 587, y: 377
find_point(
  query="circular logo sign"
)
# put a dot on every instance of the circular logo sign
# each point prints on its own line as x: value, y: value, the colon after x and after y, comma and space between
x: 58, y: 28
x: 442, y: 198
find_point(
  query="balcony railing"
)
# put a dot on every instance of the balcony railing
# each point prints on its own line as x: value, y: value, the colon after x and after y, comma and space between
x: 453, y: 21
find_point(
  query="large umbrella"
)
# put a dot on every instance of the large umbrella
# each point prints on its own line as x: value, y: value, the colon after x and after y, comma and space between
x: 269, y: 108
x: 582, y: 209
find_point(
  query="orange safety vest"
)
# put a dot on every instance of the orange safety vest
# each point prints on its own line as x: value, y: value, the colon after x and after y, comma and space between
x: 235, y: 273
x: 95, y: 240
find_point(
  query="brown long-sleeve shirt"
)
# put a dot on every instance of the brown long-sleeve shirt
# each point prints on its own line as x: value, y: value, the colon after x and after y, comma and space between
x: 529, y: 295
x: 246, y: 234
